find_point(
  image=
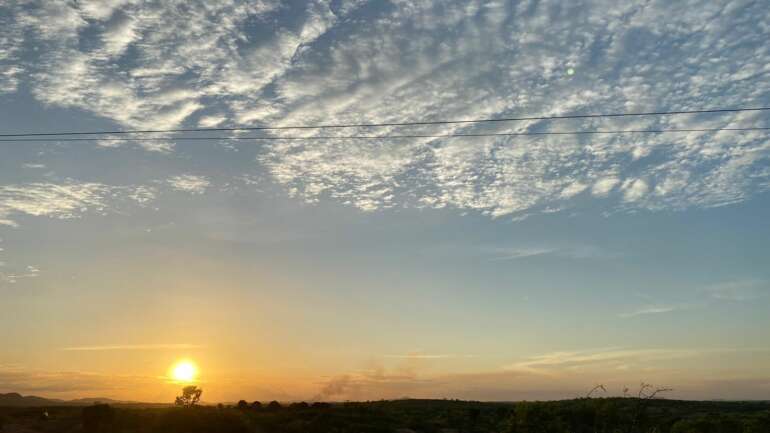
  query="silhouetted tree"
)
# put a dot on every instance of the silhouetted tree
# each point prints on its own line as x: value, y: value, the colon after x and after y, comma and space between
x: 256, y: 405
x: 299, y: 405
x: 273, y: 405
x: 191, y: 395
x: 242, y: 405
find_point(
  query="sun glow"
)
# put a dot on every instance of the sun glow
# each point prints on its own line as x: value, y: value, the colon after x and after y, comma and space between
x: 184, y: 371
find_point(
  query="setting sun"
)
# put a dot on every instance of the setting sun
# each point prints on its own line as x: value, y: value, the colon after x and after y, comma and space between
x: 184, y: 371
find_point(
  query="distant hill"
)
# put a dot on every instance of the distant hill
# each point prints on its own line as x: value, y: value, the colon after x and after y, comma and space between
x: 15, y: 399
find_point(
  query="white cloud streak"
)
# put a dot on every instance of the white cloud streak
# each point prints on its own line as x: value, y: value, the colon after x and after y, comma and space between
x: 122, y: 347
x: 612, y: 357
x: 738, y: 291
x: 69, y: 383
x: 568, y: 252
x: 417, y: 356
x: 657, y: 309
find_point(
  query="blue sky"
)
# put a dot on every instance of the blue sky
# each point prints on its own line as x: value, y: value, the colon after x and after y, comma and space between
x: 486, y: 268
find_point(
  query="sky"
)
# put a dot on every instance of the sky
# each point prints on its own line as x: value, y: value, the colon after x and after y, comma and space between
x: 487, y: 268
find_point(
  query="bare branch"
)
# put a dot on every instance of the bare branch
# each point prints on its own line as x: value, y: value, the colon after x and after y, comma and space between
x: 594, y: 389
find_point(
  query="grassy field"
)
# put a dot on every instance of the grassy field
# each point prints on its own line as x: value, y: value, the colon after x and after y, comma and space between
x: 596, y: 415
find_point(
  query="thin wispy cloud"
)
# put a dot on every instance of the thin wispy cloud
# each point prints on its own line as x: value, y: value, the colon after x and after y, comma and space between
x: 121, y: 347
x: 567, y: 374
x: 710, y: 296
x: 429, y: 356
x: 520, y: 253
x: 738, y: 291
x: 69, y: 383
x: 568, y: 252
x: 616, y: 357
x: 652, y: 310
x: 14, y: 276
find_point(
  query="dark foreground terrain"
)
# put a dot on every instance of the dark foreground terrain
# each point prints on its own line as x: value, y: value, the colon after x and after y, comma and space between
x: 610, y: 415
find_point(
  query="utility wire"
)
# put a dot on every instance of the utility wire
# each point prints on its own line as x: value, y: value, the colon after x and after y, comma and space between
x: 386, y: 137
x: 374, y: 125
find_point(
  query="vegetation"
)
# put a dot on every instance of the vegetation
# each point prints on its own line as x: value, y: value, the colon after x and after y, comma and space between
x: 98, y: 418
x: 584, y: 415
x: 191, y: 395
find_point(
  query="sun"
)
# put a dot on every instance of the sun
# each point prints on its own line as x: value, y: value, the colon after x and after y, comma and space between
x: 184, y: 371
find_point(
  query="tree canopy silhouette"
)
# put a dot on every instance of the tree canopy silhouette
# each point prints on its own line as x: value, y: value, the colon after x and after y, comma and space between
x: 191, y: 395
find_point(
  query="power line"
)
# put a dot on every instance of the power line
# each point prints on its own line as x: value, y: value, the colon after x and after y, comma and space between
x: 375, y: 125
x: 386, y: 137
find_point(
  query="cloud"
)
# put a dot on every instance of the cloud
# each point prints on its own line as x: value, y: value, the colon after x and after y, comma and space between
x: 418, y: 355
x: 143, y: 194
x: 730, y: 291
x: 153, y: 66
x: 66, y: 200
x: 568, y: 252
x: 118, y: 36
x: 553, y: 375
x: 12, y: 274
x: 634, y: 189
x: 69, y: 383
x: 190, y: 183
x: 737, y: 291
x: 603, y: 186
x: 504, y: 176
x: 11, y: 41
x: 657, y: 309
x: 557, y: 361
x: 121, y: 347
x: 211, y: 121
x: 520, y: 253
x: 28, y: 271
x: 573, y: 190
x: 489, y: 385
